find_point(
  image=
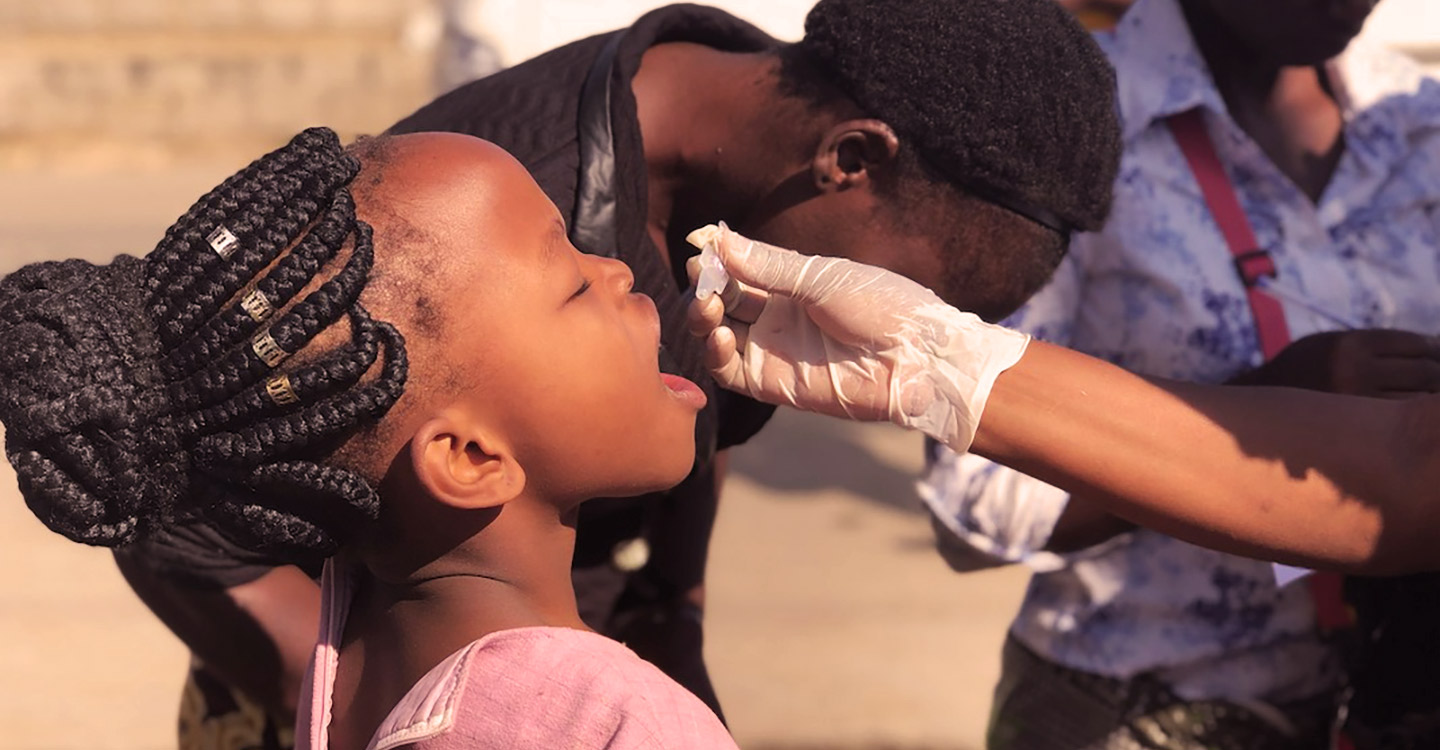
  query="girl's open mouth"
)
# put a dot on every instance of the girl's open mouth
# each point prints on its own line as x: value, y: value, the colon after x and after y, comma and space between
x: 684, y: 390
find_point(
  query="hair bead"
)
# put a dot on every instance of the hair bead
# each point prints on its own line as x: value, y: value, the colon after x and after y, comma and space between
x: 165, y: 414
x: 267, y: 349
x: 281, y: 391
x: 223, y: 242
x: 257, y: 306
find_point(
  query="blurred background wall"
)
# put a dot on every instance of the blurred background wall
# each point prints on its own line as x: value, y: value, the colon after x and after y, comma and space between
x: 1411, y: 26
x: 125, y: 82
x: 832, y: 623
x: 111, y: 83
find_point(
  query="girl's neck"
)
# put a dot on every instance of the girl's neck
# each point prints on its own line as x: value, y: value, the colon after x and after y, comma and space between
x: 1289, y: 111
x: 419, y: 604
x: 407, y: 617
x: 515, y: 572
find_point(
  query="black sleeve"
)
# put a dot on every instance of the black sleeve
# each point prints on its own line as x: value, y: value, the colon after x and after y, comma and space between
x: 740, y: 418
x: 195, y: 555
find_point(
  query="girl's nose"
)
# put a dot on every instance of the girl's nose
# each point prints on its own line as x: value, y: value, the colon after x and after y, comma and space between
x: 617, y: 274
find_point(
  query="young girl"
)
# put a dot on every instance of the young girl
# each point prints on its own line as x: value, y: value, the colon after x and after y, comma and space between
x: 393, y: 356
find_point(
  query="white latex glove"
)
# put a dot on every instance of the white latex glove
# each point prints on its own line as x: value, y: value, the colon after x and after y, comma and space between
x: 842, y: 338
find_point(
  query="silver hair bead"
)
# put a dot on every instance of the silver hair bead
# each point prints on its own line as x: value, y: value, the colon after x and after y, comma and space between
x: 223, y: 242
x: 267, y: 350
x: 257, y: 306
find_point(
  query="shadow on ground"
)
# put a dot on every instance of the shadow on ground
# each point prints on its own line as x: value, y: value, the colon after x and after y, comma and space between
x: 802, y: 453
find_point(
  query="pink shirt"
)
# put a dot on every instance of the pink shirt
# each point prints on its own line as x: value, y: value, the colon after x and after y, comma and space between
x: 542, y: 688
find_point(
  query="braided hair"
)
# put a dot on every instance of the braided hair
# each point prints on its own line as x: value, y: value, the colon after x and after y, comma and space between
x: 148, y: 390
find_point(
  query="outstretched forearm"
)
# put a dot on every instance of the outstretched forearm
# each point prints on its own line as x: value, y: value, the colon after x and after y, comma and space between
x: 1298, y: 476
x: 1289, y: 475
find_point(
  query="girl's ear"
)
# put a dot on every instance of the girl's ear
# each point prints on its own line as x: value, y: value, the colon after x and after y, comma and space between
x: 463, y: 465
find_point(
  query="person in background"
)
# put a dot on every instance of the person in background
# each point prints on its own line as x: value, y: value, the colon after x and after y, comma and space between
x: 466, y: 51
x: 1128, y: 636
x: 880, y: 136
x: 1299, y: 476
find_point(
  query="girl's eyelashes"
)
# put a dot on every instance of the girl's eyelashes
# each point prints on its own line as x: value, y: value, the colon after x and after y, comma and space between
x: 584, y: 287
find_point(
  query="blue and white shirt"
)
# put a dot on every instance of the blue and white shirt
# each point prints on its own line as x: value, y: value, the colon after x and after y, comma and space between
x: 1156, y: 292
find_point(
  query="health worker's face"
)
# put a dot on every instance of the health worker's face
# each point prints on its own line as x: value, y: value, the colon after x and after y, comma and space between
x: 1292, y: 32
x: 925, y: 242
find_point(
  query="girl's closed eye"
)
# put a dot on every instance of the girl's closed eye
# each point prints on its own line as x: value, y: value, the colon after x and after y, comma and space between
x: 584, y: 287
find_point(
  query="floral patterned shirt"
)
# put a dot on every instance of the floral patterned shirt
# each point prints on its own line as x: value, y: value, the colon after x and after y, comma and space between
x: 1156, y: 292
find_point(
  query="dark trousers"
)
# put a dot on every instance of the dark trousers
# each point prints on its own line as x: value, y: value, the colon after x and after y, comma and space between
x: 1040, y: 705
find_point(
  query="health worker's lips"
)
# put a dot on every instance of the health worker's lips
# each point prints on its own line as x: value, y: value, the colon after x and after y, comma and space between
x: 683, y: 390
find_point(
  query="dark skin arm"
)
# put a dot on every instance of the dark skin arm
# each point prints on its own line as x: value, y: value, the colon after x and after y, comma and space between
x: 257, y: 637
x: 1296, y: 476
x: 1292, y: 115
x: 1374, y: 363
x: 1083, y: 524
x: 1300, y: 132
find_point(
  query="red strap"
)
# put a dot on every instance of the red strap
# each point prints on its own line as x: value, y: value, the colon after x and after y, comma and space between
x: 1327, y: 589
x: 1251, y: 261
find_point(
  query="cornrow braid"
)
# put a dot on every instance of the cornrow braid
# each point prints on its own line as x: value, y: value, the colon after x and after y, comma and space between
x: 315, y: 380
x: 143, y: 391
x: 338, y: 504
x: 293, y: 272
x: 277, y: 507
x: 245, y: 364
x: 262, y: 214
x: 287, y: 432
x: 175, y: 255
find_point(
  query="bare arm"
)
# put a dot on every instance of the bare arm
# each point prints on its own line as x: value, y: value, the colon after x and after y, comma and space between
x: 1376, y: 363
x: 1301, y: 477
x: 1084, y: 523
x: 257, y: 636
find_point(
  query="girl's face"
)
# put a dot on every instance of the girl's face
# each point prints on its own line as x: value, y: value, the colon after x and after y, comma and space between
x: 511, y: 325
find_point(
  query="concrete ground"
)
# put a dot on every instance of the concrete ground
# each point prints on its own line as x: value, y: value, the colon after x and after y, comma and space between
x: 832, y: 622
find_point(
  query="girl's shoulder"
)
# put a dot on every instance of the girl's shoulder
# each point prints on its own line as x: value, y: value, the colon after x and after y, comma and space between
x: 546, y: 687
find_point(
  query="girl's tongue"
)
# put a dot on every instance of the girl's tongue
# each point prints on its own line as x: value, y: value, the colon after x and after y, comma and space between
x: 684, y: 390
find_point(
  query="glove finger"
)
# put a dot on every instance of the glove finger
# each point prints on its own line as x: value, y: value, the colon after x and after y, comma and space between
x: 743, y: 302
x: 769, y: 268
x: 722, y: 357
x: 811, y: 280
x: 741, y: 332
x: 692, y: 270
x: 704, y: 315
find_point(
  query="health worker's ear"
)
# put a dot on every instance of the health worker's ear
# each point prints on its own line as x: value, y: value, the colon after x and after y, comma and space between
x: 851, y: 153
x: 464, y: 465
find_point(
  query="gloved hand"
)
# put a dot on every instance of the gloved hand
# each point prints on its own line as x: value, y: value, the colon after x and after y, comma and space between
x: 841, y: 338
